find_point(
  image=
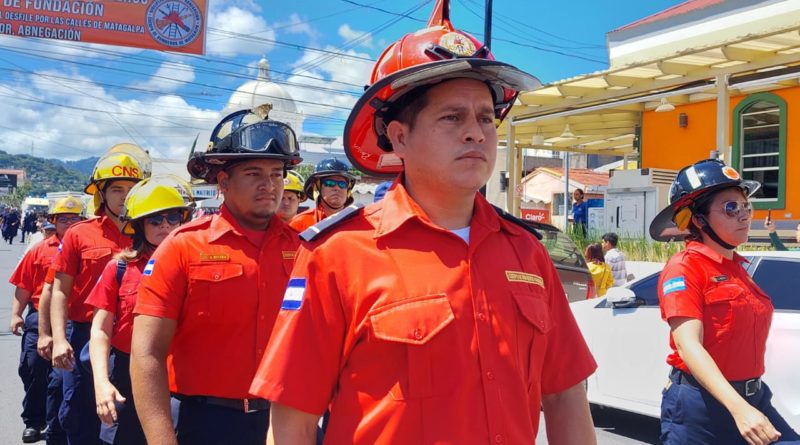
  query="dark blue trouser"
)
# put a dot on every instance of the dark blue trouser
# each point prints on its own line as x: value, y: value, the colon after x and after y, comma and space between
x: 691, y: 415
x: 199, y: 423
x: 127, y: 430
x: 78, y: 413
x: 33, y: 371
x: 55, y: 395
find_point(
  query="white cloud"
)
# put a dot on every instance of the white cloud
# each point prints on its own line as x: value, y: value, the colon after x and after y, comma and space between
x: 169, y: 77
x: 296, y: 25
x: 243, y: 22
x: 166, y: 125
x: 349, y: 34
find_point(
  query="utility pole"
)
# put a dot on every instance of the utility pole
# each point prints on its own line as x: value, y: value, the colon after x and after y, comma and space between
x: 487, y: 34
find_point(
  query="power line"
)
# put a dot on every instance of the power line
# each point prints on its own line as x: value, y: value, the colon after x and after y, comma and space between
x: 384, y: 11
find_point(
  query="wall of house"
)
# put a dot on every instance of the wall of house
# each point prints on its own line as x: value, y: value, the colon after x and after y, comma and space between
x: 666, y: 145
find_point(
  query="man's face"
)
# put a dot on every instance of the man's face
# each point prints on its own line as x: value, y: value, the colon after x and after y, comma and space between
x: 64, y: 221
x: 452, y: 145
x: 253, y: 190
x: 577, y: 195
x: 332, y: 192
x: 115, y: 194
x: 288, y: 208
x: 606, y: 246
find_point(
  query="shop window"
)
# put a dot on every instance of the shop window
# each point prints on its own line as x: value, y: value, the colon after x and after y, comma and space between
x: 759, y: 146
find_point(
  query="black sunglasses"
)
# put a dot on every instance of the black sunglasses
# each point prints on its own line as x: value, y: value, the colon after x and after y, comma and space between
x: 173, y: 219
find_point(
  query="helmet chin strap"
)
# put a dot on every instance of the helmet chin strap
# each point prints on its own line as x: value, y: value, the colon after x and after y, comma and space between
x: 706, y: 228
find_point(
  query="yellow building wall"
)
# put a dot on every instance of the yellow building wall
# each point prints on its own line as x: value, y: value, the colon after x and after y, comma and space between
x: 666, y: 145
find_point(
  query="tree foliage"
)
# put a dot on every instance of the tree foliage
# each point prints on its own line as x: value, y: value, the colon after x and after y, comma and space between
x: 45, y: 175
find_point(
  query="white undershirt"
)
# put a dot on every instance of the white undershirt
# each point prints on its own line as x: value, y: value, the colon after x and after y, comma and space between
x: 462, y: 233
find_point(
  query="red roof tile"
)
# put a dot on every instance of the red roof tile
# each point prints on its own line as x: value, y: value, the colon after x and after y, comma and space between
x: 580, y: 175
x: 674, y: 11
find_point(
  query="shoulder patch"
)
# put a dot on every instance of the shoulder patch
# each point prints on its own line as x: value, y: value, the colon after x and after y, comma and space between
x: 514, y: 220
x: 330, y: 222
x: 293, y: 297
x: 673, y: 285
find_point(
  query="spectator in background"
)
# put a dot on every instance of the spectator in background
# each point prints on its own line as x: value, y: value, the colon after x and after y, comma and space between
x: 10, y: 226
x: 615, y: 259
x: 580, y: 213
x: 602, y: 276
x: 777, y: 244
x: 28, y: 224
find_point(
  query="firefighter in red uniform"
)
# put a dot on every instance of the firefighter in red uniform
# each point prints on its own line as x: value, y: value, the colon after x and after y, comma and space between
x: 210, y: 294
x: 293, y: 195
x: 39, y: 407
x: 153, y: 208
x: 331, y: 185
x: 430, y: 316
x: 719, y: 318
x: 85, y: 250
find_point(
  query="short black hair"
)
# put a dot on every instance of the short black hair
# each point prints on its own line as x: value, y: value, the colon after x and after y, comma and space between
x: 611, y: 238
x: 408, y: 106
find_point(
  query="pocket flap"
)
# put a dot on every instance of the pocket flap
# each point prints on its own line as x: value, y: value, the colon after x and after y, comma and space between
x: 535, y: 309
x: 96, y: 253
x: 413, y: 321
x: 215, y: 272
x: 724, y: 292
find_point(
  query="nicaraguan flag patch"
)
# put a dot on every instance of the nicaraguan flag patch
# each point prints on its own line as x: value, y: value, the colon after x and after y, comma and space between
x: 293, y: 298
x: 148, y: 269
x: 673, y: 285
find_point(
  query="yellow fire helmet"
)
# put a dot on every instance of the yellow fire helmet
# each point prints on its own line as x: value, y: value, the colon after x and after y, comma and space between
x: 68, y: 205
x: 114, y: 166
x: 293, y: 182
x: 155, y: 195
x: 91, y: 207
x: 140, y: 154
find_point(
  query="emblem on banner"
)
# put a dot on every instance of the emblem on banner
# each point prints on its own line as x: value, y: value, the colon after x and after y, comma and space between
x: 174, y: 23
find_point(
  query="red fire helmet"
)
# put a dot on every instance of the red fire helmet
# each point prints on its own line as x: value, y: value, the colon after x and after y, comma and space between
x: 426, y: 57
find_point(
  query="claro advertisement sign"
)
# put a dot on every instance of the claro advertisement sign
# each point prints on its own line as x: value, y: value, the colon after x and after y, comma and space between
x: 167, y: 25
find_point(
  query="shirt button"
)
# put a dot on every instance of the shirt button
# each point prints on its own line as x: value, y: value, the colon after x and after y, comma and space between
x: 481, y: 316
x: 417, y: 334
x: 498, y: 438
x: 216, y: 276
x: 490, y: 376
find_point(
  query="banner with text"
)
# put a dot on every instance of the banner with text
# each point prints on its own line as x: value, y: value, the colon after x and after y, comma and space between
x: 167, y: 25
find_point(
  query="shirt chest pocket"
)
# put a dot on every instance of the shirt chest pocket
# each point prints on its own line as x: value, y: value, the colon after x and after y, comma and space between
x: 418, y: 337
x: 532, y: 325
x: 128, y: 292
x: 96, y: 256
x: 726, y: 304
x: 213, y: 290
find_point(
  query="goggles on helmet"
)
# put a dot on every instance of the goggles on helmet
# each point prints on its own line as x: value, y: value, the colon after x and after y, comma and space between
x: 260, y: 137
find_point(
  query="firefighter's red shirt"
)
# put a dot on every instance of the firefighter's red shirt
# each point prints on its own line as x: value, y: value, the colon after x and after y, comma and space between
x: 32, y: 270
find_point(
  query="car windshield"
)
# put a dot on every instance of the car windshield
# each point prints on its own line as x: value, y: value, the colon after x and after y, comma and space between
x: 780, y: 279
x: 561, y: 249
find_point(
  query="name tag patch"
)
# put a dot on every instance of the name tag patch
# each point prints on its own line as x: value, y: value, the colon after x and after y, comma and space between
x: 673, y: 285
x: 148, y: 268
x: 522, y: 277
x: 288, y: 254
x: 214, y: 257
x: 720, y: 278
x: 293, y: 297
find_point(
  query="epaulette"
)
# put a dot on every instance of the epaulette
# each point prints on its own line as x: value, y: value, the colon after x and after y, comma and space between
x: 513, y: 219
x: 330, y: 222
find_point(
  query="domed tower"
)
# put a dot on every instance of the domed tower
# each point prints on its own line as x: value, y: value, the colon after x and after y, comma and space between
x: 264, y: 90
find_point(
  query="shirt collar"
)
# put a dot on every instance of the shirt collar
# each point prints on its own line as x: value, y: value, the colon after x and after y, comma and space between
x: 711, y: 254
x: 224, y: 222
x: 398, y: 207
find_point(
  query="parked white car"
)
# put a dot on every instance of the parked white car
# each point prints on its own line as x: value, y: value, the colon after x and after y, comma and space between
x: 629, y: 339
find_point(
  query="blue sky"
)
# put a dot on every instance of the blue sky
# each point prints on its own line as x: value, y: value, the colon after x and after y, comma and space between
x: 75, y: 100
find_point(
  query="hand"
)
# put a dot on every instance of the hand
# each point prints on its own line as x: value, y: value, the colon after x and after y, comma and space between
x: 769, y: 225
x: 44, y: 346
x: 63, y: 356
x: 17, y: 325
x: 754, y: 426
x: 106, y: 397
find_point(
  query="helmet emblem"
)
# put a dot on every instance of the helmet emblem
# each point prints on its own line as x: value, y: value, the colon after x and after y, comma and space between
x: 730, y: 173
x: 458, y: 44
x: 69, y: 204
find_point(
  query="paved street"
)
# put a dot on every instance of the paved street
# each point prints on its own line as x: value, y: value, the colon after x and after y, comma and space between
x: 612, y: 427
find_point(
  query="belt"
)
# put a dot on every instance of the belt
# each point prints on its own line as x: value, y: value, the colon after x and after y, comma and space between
x: 244, y: 405
x: 745, y: 388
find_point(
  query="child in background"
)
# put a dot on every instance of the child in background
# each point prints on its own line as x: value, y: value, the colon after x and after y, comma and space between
x: 601, y: 272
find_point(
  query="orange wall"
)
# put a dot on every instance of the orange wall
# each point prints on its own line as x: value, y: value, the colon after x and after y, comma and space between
x: 666, y: 145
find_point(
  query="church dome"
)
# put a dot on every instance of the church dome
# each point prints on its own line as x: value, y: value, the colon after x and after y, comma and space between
x: 264, y: 90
